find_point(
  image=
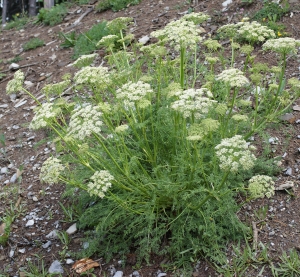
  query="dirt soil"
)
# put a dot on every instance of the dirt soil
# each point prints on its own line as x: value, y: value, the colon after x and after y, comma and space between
x: 279, y: 230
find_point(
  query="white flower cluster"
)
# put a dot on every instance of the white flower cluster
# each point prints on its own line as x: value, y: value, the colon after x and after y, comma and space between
x: 84, y: 121
x: 261, y: 186
x: 119, y: 23
x: 42, y: 116
x: 107, y: 41
x: 282, y: 45
x: 101, y: 182
x: 85, y: 60
x: 233, y: 77
x: 194, y: 102
x: 95, y: 76
x: 197, y: 18
x: 234, y: 153
x: 180, y: 34
x: 254, y: 31
x: 16, y: 84
x: 132, y: 93
x: 51, y: 170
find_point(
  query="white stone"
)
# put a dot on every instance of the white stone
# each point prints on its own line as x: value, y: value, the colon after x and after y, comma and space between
x: 118, y: 274
x: 72, y: 229
x: 52, y: 235
x: 35, y: 199
x: 144, y: 39
x: 30, y: 223
x: 14, y: 66
x: 69, y: 261
x: 4, y: 170
x: 56, y: 267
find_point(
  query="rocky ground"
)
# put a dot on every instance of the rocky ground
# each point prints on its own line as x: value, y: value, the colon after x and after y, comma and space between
x: 33, y: 238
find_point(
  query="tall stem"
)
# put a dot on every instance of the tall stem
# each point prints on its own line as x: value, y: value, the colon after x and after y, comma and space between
x: 182, y: 66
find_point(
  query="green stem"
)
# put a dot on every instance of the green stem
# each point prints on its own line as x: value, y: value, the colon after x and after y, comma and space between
x: 209, y: 195
x: 182, y: 66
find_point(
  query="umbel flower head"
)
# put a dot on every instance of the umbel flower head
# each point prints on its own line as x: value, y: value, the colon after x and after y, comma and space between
x: 107, y: 41
x: 261, y: 186
x: 101, y: 182
x: 43, y: 115
x: 282, y: 45
x: 51, y: 170
x: 16, y: 84
x: 233, y: 77
x: 193, y: 102
x: 132, y: 93
x: 254, y: 32
x: 94, y: 76
x: 196, y: 18
x: 84, y: 121
x: 180, y: 34
x: 234, y: 153
x: 119, y: 24
x: 85, y: 60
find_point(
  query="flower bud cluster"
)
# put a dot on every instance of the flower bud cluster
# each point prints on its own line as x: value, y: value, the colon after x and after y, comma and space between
x: 16, y: 84
x: 261, y: 186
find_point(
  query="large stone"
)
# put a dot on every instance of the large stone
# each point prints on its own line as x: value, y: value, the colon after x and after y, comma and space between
x: 72, y: 229
x: 56, y: 267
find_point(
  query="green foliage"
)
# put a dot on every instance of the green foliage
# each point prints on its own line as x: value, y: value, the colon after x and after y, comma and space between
x: 244, y: 261
x: 289, y: 265
x: 36, y: 267
x: 271, y: 11
x: 157, y: 163
x: 33, y: 43
x: 53, y: 16
x: 115, y: 5
x: 86, y: 42
x: 15, y: 59
x: 69, y: 39
x: 17, y: 23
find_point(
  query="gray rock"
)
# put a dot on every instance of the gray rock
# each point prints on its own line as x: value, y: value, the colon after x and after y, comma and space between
x: 13, y: 178
x: 162, y: 274
x: 14, y: 66
x: 56, y: 267
x: 35, y: 199
x: 111, y: 270
x: 47, y: 244
x: 288, y: 171
x: 22, y: 250
x: 30, y: 223
x: 13, y: 96
x: 135, y: 274
x: 72, y: 229
x: 118, y: 274
x: 69, y: 261
x: 144, y: 39
x: 11, y: 253
x: 4, y: 170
